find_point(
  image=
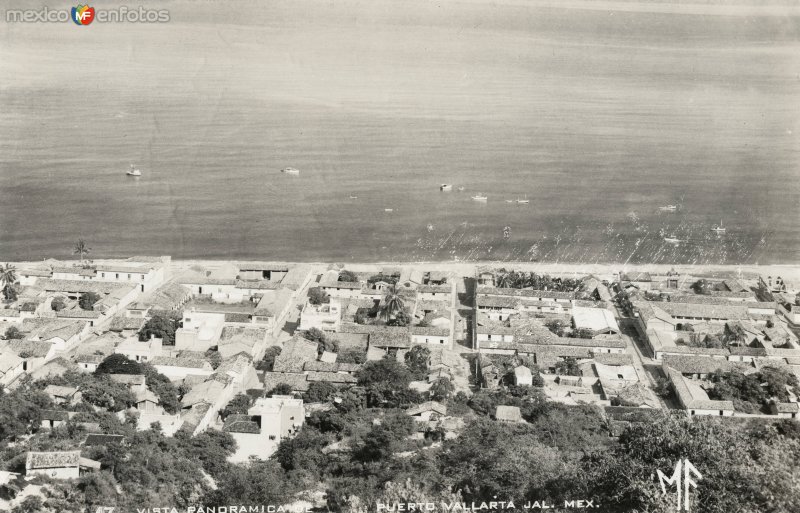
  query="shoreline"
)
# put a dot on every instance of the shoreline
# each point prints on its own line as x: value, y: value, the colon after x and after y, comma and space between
x: 602, y: 270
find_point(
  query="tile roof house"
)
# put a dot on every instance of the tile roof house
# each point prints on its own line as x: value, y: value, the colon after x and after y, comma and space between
x: 58, y: 464
x: 11, y: 366
x: 598, y: 320
x: 62, y: 394
x: 699, y: 366
x: 296, y: 380
x: 296, y: 352
x: 694, y: 399
x: 428, y: 410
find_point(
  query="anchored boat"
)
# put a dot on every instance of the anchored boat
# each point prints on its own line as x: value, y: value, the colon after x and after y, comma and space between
x: 290, y: 171
x: 133, y: 171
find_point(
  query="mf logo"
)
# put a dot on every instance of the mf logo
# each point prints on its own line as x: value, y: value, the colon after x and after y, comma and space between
x: 83, y: 14
x: 683, y: 478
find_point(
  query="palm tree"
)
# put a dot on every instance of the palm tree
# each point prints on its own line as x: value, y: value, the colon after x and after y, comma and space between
x: 81, y: 249
x: 8, y: 277
x: 392, y: 303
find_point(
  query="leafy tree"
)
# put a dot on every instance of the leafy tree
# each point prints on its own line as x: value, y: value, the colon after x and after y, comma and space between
x: 240, y: 404
x: 14, y: 333
x: 317, y: 296
x: 99, y: 489
x: 568, y: 367
x: 162, y: 327
x: 363, y: 315
x: 490, y: 461
x: 417, y: 359
x: 87, y: 300
x: 268, y: 362
x: 740, y: 472
x: 441, y: 389
x: 58, y: 304
x: 280, y: 389
x: 315, y: 335
x: 348, y: 276
x: 214, y: 358
x: 402, y: 318
x: 81, y: 249
x: 557, y: 326
x: 163, y: 388
x: 582, y: 333
x: 386, y: 382
x: 118, y: 364
x: 31, y: 504
x: 324, y: 342
x: 303, y: 452
x: 319, y: 392
x: 10, y: 293
x: 108, y: 394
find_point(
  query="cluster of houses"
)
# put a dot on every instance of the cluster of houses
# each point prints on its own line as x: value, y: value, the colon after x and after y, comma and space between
x: 732, y: 323
x: 229, y: 315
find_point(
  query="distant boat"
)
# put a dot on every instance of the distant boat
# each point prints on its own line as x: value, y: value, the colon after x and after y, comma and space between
x: 388, y: 210
x: 480, y: 197
x: 461, y: 189
x: 446, y: 187
x: 509, y: 201
x: 353, y: 197
x: 673, y: 240
x: 523, y: 201
x: 719, y: 229
x: 133, y: 171
x: 290, y: 171
x: 668, y: 208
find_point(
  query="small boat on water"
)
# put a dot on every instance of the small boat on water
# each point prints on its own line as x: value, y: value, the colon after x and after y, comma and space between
x: 673, y: 240
x: 353, y: 197
x: 523, y: 201
x: 133, y: 171
x: 461, y: 189
x: 388, y: 210
x: 290, y: 171
x: 480, y: 197
x: 446, y: 187
x: 668, y: 208
x: 719, y: 230
x: 509, y: 201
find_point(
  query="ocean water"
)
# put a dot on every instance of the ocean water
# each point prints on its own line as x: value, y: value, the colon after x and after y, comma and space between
x: 597, y: 116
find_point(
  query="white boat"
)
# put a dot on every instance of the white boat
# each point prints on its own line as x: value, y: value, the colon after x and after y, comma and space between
x: 353, y: 197
x: 719, y: 229
x: 668, y: 208
x: 290, y: 171
x: 446, y: 187
x: 523, y: 201
x: 509, y: 201
x: 673, y: 240
x: 388, y: 210
x: 461, y: 189
x: 133, y: 171
x: 480, y: 197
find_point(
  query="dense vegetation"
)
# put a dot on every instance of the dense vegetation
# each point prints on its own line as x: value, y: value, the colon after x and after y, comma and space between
x: 365, y: 448
x: 161, y: 326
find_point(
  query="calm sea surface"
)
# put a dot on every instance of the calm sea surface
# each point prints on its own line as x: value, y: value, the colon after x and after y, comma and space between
x: 598, y: 117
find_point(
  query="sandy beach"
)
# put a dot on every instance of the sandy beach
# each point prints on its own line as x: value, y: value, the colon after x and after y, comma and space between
x: 790, y: 273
